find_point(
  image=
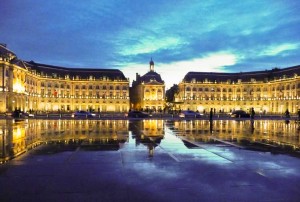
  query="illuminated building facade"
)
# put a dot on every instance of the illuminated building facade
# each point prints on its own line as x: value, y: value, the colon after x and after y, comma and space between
x: 270, y: 91
x: 39, y: 87
x: 148, y: 91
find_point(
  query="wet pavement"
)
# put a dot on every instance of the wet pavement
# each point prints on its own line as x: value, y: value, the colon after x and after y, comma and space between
x: 152, y: 160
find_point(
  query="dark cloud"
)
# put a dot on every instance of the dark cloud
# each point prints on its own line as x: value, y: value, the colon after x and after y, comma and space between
x: 115, y: 34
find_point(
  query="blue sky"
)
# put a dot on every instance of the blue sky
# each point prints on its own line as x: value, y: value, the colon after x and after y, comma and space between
x: 180, y: 35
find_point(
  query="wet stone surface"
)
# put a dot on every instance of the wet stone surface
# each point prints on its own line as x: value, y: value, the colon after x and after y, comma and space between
x: 153, y: 161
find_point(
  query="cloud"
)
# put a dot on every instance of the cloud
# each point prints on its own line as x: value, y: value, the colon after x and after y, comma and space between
x: 181, y: 36
x: 151, y: 45
x: 278, y: 49
x: 173, y: 73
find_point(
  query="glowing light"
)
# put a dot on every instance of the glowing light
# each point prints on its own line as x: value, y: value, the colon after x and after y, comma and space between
x: 18, y: 87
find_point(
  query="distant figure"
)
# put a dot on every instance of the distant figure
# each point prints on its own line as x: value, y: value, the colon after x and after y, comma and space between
x: 211, y: 114
x: 287, y: 114
x: 252, y: 113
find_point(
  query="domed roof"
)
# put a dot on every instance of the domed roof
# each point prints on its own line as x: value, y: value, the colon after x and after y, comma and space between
x: 150, y: 76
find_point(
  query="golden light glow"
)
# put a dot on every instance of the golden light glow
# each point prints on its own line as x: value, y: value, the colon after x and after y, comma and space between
x: 18, y: 87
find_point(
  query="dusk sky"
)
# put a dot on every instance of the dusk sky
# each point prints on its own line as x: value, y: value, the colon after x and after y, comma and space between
x: 180, y: 35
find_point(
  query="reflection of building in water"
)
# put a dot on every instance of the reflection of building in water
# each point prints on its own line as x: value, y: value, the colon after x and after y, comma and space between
x: 274, y: 132
x: 147, y: 132
x: 17, y: 138
x: 153, y: 128
x: 93, y: 130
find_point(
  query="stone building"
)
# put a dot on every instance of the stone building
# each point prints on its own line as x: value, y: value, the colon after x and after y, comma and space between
x: 148, y: 91
x: 270, y: 91
x: 40, y: 87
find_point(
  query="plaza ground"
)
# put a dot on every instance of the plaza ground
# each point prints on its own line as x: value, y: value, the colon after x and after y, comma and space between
x: 175, y: 169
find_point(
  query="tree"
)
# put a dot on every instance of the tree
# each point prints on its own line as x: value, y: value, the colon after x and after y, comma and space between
x: 170, y: 94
